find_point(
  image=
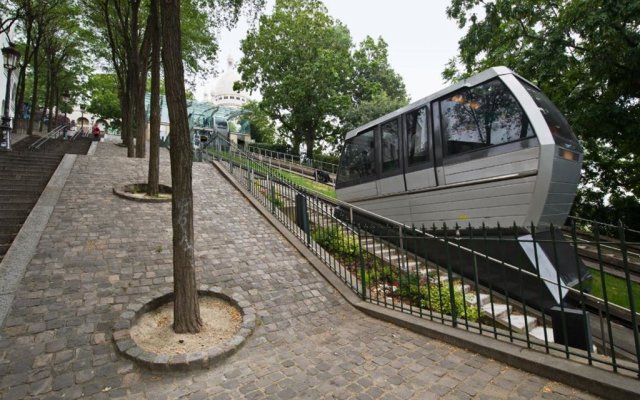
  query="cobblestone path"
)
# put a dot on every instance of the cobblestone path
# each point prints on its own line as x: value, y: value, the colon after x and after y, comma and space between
x: 100, y: 253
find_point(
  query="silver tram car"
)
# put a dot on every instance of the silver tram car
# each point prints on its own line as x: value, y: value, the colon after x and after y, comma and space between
x: 489, y: 150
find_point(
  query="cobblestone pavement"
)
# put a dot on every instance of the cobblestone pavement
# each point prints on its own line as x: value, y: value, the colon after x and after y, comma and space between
x: 100, y: 253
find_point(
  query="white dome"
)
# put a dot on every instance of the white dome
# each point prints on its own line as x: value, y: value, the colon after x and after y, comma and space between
x: 223, y: 93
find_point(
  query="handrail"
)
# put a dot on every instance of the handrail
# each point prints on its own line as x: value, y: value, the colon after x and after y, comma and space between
x: 51, y: 135
x: 291, y: 158
x: 245, y: 166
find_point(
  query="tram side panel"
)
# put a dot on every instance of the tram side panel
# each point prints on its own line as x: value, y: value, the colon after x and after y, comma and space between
x: 562, y: 190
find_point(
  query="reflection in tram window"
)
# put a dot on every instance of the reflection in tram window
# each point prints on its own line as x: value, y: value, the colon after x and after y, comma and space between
x: 557, y: 123
x: 390, y: 146
x: 358, y: 158
x: 482, y: 116
x: 417, y: 136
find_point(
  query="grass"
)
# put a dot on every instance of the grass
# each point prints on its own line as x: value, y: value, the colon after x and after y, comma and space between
x: 310, y: 184
x: 296, y: 179
x: 617, y: 291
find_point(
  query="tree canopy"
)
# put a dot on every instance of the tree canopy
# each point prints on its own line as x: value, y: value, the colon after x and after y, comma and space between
x: 311, y: 76
x: 298, y: 59
x: 585, y: 55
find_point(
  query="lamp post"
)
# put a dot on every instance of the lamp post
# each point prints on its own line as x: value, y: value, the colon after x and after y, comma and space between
x: 65, y: 100
x: 11, y: 56
x: 82, y: 108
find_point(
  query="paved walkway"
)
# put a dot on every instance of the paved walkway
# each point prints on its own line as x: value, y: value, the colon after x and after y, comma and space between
x: 100, y: 253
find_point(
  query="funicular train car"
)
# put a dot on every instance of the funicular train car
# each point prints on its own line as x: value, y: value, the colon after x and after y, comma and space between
x: 489, y: 150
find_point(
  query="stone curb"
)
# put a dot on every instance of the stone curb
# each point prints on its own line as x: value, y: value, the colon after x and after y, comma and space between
x: 125, y: 193
x: 126, y: 346
x: 600, y: 382
x: 14, y: 263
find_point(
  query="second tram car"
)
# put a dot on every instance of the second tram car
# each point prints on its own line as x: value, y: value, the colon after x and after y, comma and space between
x: 489, y: 150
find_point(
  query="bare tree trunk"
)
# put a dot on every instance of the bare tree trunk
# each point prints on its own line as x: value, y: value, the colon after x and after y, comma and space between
x: 125, y: 130
x: 26, y: 59
x: 134, y: 71
x: 34, y: 93
x: 186, y: 311
x: 154, y: 105
x: 45, y: 107
x: 309, y: 141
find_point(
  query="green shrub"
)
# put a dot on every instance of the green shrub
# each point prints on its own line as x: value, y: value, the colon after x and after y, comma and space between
x: 438, y: 298
x: 377, y: 272
x: 338, y: 242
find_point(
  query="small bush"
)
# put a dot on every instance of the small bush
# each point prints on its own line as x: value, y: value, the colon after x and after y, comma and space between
x: 338, y: 242
x: 438, y: 298
x: 377, y: 272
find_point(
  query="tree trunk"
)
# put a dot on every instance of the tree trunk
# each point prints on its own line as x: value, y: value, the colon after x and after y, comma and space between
x: 18, y: 106
x: 45, y: 107
x: 125, y: 129
x: 154, y: 105
x: 34, y: 92
x: 143, y: 68
x: 134, y: 76
x: 309, y: 141
x: 186, y: 311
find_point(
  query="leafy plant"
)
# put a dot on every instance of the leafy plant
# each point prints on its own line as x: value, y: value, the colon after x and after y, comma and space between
x: 437, y: 297
x: 338, y: 242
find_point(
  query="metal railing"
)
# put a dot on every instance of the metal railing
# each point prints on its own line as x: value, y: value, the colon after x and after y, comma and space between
x: 291, y: 162
x: 451, y: 276
x: 55, y: 133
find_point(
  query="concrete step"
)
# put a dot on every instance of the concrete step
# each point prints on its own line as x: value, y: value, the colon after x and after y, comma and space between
x: 20, y: 192
x: 518, y: 322
x: 8, y: 221
x: 11, y: 227
x: 539, y: 333
x: 30, y: 175
x: 472, y: 299
x: 495, y: 310
x: 12, y: 198
x: 14, y: 212
x: 26, y: 162
x: 18, y: 183
x: 6, y: 238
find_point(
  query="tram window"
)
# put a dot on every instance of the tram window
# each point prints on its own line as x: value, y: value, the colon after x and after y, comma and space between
x: 482, y: 116
x: 390, y: 146
x: 417, y: 136
x: 556, y: 122
x: 358, y: 158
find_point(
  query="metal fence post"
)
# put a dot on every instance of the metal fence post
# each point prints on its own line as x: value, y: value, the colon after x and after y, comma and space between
x: 452, y: 298
x: 302, y: 215
x: 627, y: 275
x: 363, y: 280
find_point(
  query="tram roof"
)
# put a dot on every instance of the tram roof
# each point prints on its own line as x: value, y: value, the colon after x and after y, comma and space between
x: 471, y: 81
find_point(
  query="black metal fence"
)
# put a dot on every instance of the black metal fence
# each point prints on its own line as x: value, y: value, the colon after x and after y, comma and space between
x: 571, y: 291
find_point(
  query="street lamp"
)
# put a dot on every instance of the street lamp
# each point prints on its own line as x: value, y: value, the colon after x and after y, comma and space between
x: 65, y: 100
x: 11, y: 56
x: 82, y: 108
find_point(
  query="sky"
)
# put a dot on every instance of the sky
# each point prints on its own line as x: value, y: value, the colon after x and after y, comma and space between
x: 420, y: 37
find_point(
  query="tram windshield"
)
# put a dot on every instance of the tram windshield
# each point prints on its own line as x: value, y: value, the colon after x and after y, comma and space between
x: 358, y: 158
x: 558, y: 124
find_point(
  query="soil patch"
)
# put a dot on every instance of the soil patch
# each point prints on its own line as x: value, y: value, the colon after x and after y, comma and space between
x: 138, y: 192
x: 153, y: 331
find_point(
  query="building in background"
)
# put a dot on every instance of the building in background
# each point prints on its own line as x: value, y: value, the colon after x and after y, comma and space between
x: 219, y: 113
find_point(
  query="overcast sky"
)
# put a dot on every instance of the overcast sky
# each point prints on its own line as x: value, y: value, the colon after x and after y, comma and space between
x: 421, y: 38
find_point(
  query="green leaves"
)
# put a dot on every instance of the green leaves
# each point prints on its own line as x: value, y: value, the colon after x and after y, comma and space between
x: 310, y: 76
x: 298, y: 59
x: 585, y: 55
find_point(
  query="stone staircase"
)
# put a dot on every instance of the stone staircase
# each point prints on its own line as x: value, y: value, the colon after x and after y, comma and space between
x: 23, y: 176
x: 491, y: 307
